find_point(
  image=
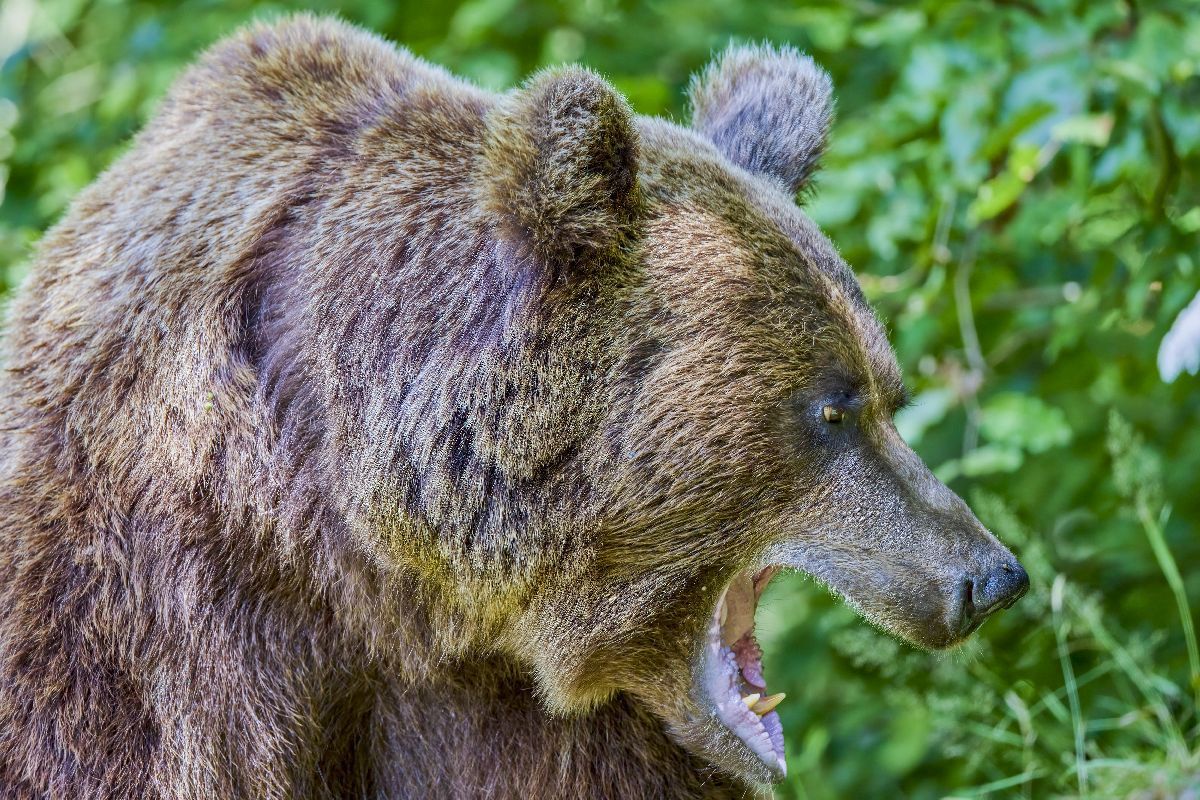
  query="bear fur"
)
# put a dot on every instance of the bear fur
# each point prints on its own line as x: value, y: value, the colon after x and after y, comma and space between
x: 367, y: 434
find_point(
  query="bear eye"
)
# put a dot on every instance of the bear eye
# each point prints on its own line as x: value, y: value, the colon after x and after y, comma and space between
x: 833, y: 414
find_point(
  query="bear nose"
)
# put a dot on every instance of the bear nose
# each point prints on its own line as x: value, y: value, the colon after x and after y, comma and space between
x: 990, y: 590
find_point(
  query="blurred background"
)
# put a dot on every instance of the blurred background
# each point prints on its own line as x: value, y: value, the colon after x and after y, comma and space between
x: 1018, y: 185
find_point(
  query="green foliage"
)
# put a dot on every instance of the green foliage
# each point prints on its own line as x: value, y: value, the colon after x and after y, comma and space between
x: 1018, y: 185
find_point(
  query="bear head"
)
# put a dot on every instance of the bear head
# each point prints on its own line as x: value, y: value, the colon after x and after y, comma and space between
x: 657, y: 386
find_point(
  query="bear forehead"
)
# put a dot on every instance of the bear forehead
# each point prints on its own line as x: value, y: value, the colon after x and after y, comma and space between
x: 733, y: 253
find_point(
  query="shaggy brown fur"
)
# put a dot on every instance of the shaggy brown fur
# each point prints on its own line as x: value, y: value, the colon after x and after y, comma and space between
x: 366, y: 434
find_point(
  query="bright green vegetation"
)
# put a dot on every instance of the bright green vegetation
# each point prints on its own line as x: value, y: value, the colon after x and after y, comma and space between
x: 1018, y: 185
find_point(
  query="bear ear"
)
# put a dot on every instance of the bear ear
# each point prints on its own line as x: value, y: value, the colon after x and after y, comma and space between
x: 767, y: 109
x: 561, y: 159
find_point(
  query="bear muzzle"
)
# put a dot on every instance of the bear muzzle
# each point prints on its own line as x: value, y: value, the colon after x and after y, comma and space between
x: 984, y: 592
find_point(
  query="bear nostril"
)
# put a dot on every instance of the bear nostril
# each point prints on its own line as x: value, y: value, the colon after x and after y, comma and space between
x: 968, y: 610
x: 982, y: 595
x: 1002, y: 587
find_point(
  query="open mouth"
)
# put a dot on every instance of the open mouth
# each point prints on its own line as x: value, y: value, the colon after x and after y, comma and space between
x: 732, y: 671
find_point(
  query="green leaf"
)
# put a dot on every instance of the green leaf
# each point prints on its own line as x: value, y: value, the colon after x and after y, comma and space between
x: 474, y: 19
x: 1092, y: 129
x: 990, y: 459
x: 1023, y: 421
x: 995, y: 197
x: 1014, y: 126
x: 927, y: 409
x: 893, y: 26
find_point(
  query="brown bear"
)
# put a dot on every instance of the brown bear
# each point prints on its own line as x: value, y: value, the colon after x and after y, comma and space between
x: 367, y: 434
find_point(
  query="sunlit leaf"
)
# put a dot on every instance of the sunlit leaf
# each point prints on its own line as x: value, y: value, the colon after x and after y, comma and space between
x: 927, y: 409
x: 1024, y: 421
x: 995, y: 196
x: 1093, y: 129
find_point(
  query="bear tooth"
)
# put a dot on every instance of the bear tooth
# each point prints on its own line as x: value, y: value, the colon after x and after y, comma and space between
x: 750, y: 700
x: 767, y: 703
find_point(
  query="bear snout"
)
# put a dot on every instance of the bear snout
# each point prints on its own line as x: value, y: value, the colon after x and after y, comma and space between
x: 983, y: 592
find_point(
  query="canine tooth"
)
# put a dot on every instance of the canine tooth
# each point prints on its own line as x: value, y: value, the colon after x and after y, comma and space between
x: 750, y: 700
x: 767, y: 703
x: 724, y: 612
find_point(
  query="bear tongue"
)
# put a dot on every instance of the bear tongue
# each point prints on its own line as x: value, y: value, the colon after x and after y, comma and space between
x: 748, y: 655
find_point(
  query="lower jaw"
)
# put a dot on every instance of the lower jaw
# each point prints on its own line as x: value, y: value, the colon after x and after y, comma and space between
x: 732, y: 682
